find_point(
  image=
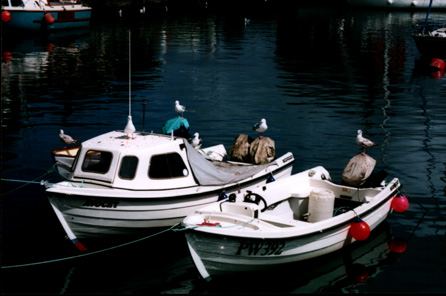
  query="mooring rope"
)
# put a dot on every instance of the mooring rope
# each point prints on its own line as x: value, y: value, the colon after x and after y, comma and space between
x: 41, y: 182
x: 50, y: 170
x: 91, y: 253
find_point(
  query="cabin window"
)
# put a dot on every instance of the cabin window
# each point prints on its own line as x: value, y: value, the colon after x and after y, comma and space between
x: 128, y: 167
x: 166, y: 166
x: 14, y: 3
x: 97, y: 161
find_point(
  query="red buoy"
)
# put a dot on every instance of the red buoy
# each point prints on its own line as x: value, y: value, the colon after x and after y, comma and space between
x: 398, y: 245
x: 400, y: 203
x: 360, y: 230
x: 48, y: 18
x: 437, y: 64
x: 6, y: 16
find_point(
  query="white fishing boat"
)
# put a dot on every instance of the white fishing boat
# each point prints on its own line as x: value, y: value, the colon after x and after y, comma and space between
x: 296, y: 218
x: 34, y: 15
x: 117, y: 185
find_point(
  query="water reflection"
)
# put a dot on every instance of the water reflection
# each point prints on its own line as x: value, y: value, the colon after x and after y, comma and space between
x: 342, y: 271
x: 316, y: 75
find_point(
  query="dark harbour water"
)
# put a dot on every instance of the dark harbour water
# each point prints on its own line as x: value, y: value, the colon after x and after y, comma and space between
x: 316, y: 74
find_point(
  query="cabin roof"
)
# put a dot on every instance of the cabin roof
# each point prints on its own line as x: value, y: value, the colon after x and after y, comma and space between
x: 117, y: 140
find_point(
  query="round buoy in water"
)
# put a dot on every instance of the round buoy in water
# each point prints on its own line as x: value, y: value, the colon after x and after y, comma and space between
x: 6, y: 16
x: 437, y: 64
x: 48, y: 18
x: 360, y: 230
x: 400, y: 203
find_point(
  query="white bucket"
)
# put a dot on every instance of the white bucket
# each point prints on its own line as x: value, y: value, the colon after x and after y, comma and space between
x: 321, y: 205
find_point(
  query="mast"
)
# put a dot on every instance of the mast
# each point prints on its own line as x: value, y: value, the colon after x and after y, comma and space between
x: 427, y: 15
x: 130, y: 76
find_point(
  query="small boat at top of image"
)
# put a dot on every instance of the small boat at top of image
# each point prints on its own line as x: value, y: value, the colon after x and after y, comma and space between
x: 35, y: 15
x: 296, y: 218
x: 430, y: 36
x: 397, y: 4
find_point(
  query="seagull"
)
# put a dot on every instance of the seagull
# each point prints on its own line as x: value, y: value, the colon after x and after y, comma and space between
x: 66, y: 138
x: 363, y: 142
x: 180, y: 108
x: 260, y: 127
x: 129, y: 128
x: 195, y: 141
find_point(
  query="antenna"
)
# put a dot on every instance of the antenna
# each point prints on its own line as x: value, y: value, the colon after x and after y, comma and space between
x: 130, y: 75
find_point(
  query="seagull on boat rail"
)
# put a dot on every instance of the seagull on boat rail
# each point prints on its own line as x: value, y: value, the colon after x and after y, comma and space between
x: 180, y: 108
x: 129, y: 128
x: 363, y: 142
x: 260, y: 127
x: 66, y: 138
x: 195, y: 141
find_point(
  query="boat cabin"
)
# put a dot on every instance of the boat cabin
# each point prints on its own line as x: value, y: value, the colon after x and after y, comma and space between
x: 149, y: 161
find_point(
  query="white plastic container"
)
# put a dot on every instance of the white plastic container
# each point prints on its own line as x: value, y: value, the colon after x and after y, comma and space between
x: 321, y: 205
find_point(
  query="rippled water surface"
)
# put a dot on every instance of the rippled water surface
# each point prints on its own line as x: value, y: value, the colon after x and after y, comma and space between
x: 316, y: 74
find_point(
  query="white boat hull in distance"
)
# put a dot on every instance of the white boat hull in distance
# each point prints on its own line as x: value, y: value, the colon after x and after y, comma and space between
x: 400, y: 4
x: 241, y: 236
x: 92, y: 208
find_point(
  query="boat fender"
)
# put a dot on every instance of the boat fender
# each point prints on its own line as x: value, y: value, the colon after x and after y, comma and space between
x: 6, y: 16
x: 360, y: 230
x: 48, y: 18
x: 400, y: 203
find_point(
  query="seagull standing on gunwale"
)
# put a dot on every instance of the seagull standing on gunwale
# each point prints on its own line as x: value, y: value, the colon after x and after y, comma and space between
x: 66, y: 138
x: 129, y: 128
x: 196, y: 141
x: 363, y: 142
x: 260, y: 127
x: 180, y: 108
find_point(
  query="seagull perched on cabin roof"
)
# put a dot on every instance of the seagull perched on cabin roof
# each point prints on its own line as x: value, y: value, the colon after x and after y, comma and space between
x: 66, y: 138
x: 260, y: 127
x: 129, y: 128
x: 364, y: 142
x: 195, y: 141
x: 180, y: 108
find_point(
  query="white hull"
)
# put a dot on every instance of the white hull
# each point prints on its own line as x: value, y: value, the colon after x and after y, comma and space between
x: 411, y: 4
x: 129, y: 212
x: 242, y: 243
